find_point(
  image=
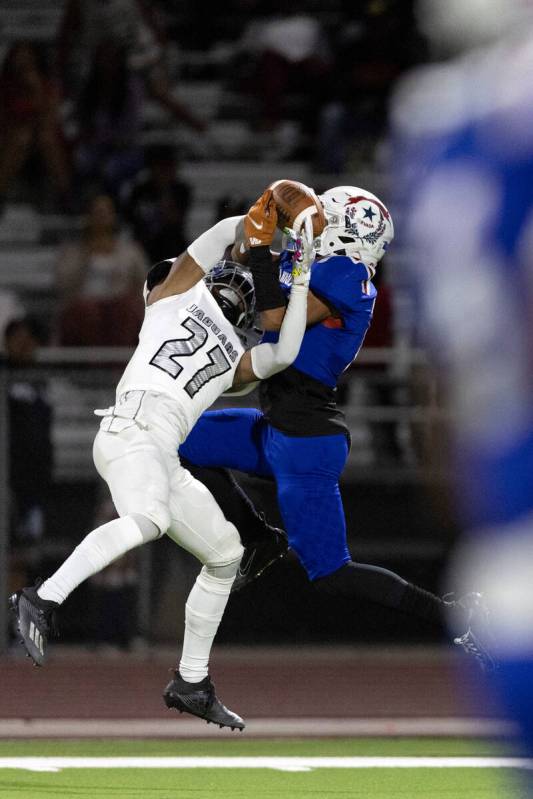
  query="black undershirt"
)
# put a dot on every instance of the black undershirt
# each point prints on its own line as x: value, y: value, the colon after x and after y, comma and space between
x: 299, y: 405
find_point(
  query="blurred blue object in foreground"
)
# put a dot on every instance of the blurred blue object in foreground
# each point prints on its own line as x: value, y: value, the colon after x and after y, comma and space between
x: 462, y: 132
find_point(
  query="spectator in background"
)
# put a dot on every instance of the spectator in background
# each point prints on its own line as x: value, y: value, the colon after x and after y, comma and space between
x: 157, y: 204
x: 226, y: 205
x: 289, y: 54
x: 99, y: 281
x: 378, y: 42
x: 11, y: 308
x: 30, y: 433
x: 109, y: 120
x: 133, y: 25
x: 30, y: 121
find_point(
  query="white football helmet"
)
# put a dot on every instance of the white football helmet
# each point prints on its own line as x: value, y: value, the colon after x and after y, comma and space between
x: 358, y: 225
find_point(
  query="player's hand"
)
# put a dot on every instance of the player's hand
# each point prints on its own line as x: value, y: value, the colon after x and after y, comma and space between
x: 260, y: 221
x: 304, y: 253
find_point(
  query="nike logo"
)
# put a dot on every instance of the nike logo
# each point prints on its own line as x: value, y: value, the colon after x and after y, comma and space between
x: 242, y: 572
x: 254, y: 223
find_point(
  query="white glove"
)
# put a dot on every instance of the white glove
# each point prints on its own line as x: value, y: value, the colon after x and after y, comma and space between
x: 304, y: 253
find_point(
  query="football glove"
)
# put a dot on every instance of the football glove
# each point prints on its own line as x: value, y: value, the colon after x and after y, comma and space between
x: 304, y: 253
x: 260, y: 222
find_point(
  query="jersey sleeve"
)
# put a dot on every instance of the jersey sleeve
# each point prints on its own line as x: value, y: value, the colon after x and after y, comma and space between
x: 340, y: 280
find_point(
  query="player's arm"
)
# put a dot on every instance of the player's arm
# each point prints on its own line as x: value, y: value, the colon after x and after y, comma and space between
x: 338, y: 283
x: 198, y: 259
x: 265, y: 359
x: 317, y: 311
x: 256, y: 231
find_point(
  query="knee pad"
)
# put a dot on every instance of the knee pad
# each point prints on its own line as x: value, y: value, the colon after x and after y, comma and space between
x: 229, y: 552
x: 155, y: 514
x: 230, y: 567
x: 149, y: 529
x: 226, y: 572
x: 218, y: 579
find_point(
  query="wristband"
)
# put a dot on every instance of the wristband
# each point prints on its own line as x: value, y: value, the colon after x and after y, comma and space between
x: 268, y: 292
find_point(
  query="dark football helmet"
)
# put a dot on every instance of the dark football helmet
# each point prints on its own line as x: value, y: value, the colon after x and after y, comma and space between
x: 232, y: 287
x: 156, y: 275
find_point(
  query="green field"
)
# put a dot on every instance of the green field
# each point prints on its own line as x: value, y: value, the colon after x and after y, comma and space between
x: 260, y: 783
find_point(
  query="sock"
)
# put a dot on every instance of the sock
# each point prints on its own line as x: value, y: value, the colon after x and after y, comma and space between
x: 384, y: 587
x: 419, y: 602
x: 355, y: 580
x: 97, y: 550
x: 203, y: 612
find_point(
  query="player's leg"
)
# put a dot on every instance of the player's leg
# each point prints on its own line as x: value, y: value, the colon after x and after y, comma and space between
x: 264, y: 543
x: 234, y: 502
x: 307, y: 474
x: 234, y: 438
x: 199, y: 526
x: 138, y: 478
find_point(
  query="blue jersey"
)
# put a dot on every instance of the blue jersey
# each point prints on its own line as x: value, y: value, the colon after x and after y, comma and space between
x: 300, y: 401
x: 329, y: 347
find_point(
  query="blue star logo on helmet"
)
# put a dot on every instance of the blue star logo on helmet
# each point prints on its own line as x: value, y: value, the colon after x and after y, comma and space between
x: 358, y: 222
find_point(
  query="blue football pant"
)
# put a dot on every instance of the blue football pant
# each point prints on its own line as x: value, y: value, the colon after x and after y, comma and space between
x: 306, y: 472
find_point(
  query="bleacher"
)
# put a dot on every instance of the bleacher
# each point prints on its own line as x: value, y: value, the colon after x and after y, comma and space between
x: 35, y: 20
x: 229, y: 160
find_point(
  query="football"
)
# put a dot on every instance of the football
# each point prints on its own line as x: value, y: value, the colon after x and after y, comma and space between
x: 294, y: 200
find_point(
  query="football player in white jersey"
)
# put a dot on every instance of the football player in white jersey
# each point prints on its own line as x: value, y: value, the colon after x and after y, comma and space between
x: 188, y: 355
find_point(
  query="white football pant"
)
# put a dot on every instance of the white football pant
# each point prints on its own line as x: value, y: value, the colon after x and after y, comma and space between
x: 144, y: 475
x: 154, y: 494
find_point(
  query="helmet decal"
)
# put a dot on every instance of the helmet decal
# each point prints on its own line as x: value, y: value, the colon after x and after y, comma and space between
x: 359, y: 225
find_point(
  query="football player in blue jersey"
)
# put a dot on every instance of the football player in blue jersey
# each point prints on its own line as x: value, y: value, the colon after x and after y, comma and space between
x: 466, y: 184
x: 299, y: 437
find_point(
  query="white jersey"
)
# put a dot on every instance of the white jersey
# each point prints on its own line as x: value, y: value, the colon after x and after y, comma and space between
x: 187, y: 350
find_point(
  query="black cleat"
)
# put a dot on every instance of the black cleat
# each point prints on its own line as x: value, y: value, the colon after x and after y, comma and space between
x: 260, y: 555
x: 477, y: 640
x: 200, y: 700
x: 35, y: 621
